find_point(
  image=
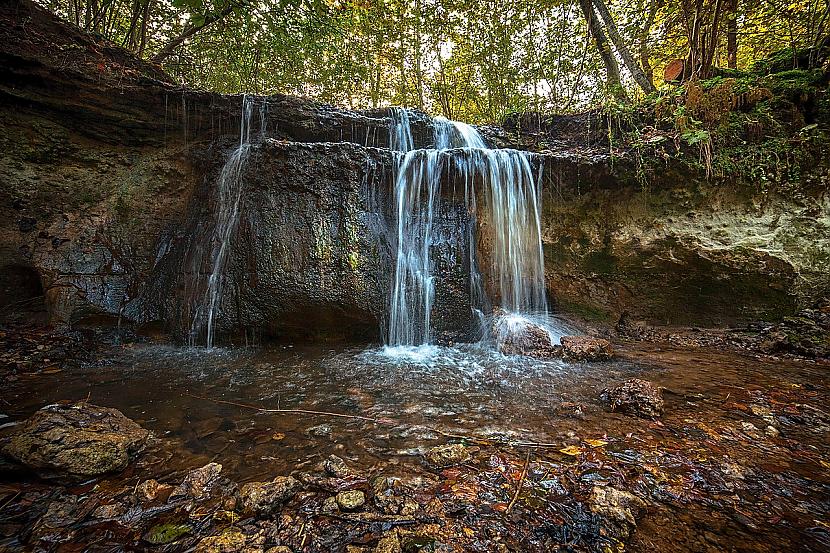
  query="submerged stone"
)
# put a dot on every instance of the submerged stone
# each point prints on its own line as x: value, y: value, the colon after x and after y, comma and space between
x: 635, y: 397
x: 585, y: 348
x: 447, y: 455
x: 229, y: 541
x: 76, y: 441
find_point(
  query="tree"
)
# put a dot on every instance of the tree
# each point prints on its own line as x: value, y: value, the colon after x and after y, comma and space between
x: 622, y: 48
x: 612, y: 69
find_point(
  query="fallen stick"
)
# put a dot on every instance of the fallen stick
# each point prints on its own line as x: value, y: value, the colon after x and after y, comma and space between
x: 521, y: 482
x: 392, y: 422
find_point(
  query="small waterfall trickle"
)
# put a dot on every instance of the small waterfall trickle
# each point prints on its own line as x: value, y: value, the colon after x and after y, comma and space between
x: 510, y: 219
x: 229, y: 189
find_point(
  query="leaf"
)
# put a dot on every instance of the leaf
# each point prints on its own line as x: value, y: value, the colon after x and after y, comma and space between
x: 596, y: 443
x: 166, y: 533
x: 571, y: 450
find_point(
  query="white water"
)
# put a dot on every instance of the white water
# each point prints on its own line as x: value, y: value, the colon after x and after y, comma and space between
x: 510, y: 221
x: 229, y: 196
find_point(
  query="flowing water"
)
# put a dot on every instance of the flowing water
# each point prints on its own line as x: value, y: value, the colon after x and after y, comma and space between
x: 229, y: 191
x: 508, y: 219
x: 708, y: 467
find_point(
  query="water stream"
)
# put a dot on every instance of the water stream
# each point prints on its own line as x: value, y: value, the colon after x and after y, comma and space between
x: 508, y: 219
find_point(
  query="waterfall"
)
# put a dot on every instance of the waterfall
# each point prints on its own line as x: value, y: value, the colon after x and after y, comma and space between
x: 229, y: 188
x: 510, y: 217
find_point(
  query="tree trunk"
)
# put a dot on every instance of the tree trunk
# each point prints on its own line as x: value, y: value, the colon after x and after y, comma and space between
x: 622, y: 48
x: 732, y: 34
x: 645, y: 51
x: 612, y: 69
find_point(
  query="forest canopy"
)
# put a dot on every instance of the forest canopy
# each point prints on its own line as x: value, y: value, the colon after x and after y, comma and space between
x: 464, y: 59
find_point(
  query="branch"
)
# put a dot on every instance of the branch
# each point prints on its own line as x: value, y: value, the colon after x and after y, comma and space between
x: 191, y: 30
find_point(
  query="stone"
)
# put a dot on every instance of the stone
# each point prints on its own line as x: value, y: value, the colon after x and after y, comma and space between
x: 635, y: 397
x: 229, y: 541
x: 77, y: 441
x: 351, y: 500
x: 517, y: 335
x: 389, y: 543
x: 585, y: 348
x: 149, y: 490
x: 447, y: 455
x: 112, y: 510
x: 279, y: 549
x: 619, y: 507
x: 335, y: 466
x: 319, y: 431
x: 329, y: 505
x: 198, y: 482
x: 265, y: 498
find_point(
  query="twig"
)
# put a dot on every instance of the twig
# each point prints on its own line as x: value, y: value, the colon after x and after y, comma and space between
x: 300, y: 411
x: 521, y: 482
x: 392, y: 422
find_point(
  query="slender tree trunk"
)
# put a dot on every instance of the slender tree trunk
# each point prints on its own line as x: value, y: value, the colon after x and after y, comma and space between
x: 732, y: 34
x: 612, y: 69
x: 622, y: 48
x: 645, y: 51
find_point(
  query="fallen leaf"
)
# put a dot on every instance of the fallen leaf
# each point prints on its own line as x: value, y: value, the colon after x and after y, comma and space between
x: 596, y: 443
x: 571, y: 450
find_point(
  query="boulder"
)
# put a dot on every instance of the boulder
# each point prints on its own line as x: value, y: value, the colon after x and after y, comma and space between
x: 265, y: 498
x: 447, y: 455
x: 585, y: 348
x: 76, y: 441
x: 516, y: 335
x: 635, y: 397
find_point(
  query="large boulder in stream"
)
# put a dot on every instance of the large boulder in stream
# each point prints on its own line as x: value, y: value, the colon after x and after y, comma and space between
x: 517, y: 335
x: 635, y: 397
x: 76, y: 441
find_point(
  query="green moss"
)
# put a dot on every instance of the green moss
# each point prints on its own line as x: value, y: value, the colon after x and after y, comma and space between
x: 166, y: 533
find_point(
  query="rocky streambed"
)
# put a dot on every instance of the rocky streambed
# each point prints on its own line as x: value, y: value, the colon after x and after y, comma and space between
x: 302, y: 448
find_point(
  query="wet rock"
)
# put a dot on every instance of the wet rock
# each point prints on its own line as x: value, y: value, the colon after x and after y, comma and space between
x: 620, y: 508
x: 329, y: 505
x: 229, y: 541
x: 198, y: 482
x: 389, y: 543
x: 585, y: 348
x: 635, y: 397
x: 516, y: 335
x: 319, y: 431
x: 279, y: 549
x: 265, y: 498
x: 76, y: 441
x: 166, y: 533
x: 351, y: 500
x: 447, y: 455
x: 113, y: 510
x: 806, y: 334
x: 335, y: 466
x: 149, y: 490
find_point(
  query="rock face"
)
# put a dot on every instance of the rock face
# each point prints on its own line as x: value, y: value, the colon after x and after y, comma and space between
x: 77, y: 441
x: 635, y: 397
x: 265, y: 498
x: 585, y: 348
x: 806, y: 334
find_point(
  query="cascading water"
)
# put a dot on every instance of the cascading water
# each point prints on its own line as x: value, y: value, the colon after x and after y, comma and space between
x: 511, y: 220
x: 228, y: 200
